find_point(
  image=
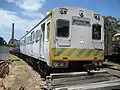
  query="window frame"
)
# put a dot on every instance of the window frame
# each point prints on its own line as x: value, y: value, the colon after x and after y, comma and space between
x: 57, y: 30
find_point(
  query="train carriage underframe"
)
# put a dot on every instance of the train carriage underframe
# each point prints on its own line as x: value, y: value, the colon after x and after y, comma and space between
x: 73, y: 66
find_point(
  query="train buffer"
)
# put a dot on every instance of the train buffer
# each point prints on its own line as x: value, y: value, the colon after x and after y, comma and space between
x: 101, y: 80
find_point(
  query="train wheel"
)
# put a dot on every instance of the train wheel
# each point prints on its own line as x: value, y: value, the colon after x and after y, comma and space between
x: 87, y: 68
x: 47, y: 70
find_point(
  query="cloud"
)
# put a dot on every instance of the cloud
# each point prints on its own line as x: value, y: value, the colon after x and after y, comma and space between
x: 21, y: 25
x: 28, y: 5
x: 32, y: 14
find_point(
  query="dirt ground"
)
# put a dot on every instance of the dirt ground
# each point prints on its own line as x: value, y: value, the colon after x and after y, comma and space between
x: 21, y: 75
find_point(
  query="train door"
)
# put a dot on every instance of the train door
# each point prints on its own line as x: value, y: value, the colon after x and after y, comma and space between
x: 96, y: 36
x: 42, y: 37
x: 46, y: 45
x: 40, y: 45
x: 32, y: 41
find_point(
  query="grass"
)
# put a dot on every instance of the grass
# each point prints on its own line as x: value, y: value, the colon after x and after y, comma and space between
x: 16, y: 61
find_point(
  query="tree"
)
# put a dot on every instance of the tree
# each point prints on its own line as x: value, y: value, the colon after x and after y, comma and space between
x: 14, y: 42
x: 2, y: 41
x: 112, y: 24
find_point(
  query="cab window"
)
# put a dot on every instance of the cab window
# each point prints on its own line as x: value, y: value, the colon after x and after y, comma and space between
x: 62, y: 28
x: 96, y: 31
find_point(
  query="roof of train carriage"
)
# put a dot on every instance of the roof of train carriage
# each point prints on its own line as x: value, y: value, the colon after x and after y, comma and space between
x: 113, y: 38
x: 35, y: 25
x: 118, y: 34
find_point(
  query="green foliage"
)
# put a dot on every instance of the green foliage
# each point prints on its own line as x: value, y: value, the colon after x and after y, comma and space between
x: 112, y: 24
x: 14, y: 42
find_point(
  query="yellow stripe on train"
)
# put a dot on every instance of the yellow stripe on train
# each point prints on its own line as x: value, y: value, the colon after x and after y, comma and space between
x: 77, y: 54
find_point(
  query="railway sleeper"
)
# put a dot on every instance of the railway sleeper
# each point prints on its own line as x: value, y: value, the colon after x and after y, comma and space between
x: 102, y: 79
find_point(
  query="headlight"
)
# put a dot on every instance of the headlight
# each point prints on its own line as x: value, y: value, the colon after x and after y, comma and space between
x: 62, y: 64
x: 56, y: 64
x: 63, y: 10
x: 97, y: 16
x: 59, y: 64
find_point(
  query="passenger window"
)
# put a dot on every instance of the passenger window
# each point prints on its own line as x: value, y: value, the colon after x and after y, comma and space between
x: 43, y: 30
x: 28, y: 40
x: 32, y: 36
x: 48, y: 30
x: 37, y: 35
x: 62, y: 28
x: 29, y: 37
x: 96, y: 32
x: 24, y: 42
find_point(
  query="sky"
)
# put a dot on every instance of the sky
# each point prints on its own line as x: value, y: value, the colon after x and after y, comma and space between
x: 27, y: 13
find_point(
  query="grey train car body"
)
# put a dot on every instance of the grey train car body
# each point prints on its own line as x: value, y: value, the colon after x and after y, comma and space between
x: 64, y: 36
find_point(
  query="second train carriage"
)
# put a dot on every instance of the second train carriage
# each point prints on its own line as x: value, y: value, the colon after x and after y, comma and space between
x: 66, y: 37
x: 116, y: 47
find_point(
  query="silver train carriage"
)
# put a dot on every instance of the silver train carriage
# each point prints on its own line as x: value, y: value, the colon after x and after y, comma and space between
x: 66, y: 37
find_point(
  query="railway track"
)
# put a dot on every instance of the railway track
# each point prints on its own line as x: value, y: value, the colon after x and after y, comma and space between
x: 113, y: 68
x: 108, y: 78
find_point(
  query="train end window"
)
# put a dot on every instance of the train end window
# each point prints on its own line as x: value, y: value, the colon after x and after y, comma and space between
x: 96, y: 31
x: 62, y: 28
